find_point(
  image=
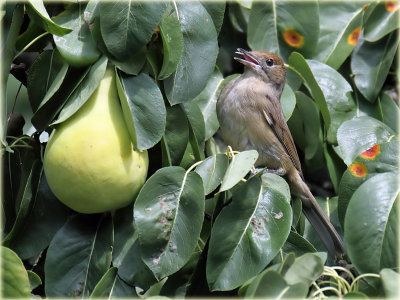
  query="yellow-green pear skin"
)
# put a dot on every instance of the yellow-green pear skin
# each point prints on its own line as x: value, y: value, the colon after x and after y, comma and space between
x: 90, y: 163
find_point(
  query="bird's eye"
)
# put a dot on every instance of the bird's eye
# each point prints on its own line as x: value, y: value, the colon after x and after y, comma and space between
x: 269, y: 62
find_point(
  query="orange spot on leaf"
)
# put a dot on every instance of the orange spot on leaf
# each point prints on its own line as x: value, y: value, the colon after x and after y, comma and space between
x: 293, y: 38
x: 391, y: 6
x: 353, y: 36
x: 358, y: 170
x: 371, y: 153
x: 365, y: 7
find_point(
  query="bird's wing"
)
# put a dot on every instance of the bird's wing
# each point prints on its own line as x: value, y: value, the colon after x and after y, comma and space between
x: 274, y: 116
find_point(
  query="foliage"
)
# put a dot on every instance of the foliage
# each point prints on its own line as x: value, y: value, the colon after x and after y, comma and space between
x: 202, y: 225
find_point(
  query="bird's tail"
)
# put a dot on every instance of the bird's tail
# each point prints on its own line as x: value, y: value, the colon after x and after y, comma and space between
x: 325, y: 230
x: 316, y: 216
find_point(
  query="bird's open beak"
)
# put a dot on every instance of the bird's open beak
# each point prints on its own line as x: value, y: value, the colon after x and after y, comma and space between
x: 249, y: 60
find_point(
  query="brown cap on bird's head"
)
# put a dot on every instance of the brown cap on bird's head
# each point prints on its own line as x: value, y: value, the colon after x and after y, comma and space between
x: 266, y: 64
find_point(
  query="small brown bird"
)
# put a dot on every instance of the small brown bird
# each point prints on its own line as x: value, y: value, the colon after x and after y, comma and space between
x: 251, y: 117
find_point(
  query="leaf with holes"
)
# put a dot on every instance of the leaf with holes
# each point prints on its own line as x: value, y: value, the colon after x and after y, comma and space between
x: 168, y: 214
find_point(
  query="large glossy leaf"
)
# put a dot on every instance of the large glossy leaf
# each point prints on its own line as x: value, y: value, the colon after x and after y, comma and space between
x: 302, y: 68
x: 176, y: 136
x: 76, y: 47
x: 38, y: 13
x: 339, y: 24
x: 168, y: 214
x: 78, y: 256
x: 212, y: 171
x: 336, y: 91
x: 172, y: 37
x: 126, y: 26
x: 371, y: 224
x: 15, y: 282
x: 84, y: 90
x: 143, y: 108
x: 358, y: 135
x: 199, y: 54
x: 47, y: 216
x: 207, y: 100
x: 382, y: 20
x: 284, y: 26
x: 297, y: 244
x: 371, y: 62
x: 380, y: 158
x: 239, y: 166
x: 131, y: 64
x: 248, y: 233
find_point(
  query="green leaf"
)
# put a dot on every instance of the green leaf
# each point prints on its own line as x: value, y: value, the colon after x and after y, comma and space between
x: 77, y: 47
x: 172, y: 37
x: 15, y: 281
x: 26, y: 196
x: 13, y: 18
x: 239, y: 166
x: 216, y: 9
x: 176, y: 136
x: 336, y: 92
x: 305, y: 269
x: 212, y: 171
x: 168, y: 214
x: 127, y: 252
x: 381, y: 21
x: 370, y: 64
x: 288, y: 102
x: 302, y: 68
x: 47, y: 216
x: 385, y: 160
x: 78, y: 256
x: 311, y: 125
x: 199, y: 54
x: 390, y: 112
x: 197, y: 128
x: 48, y: 65
x: 38, y: 13
x: 207, y: 100
x: 271, y: 284
x: 143, y: 108
x: 337, y: 24
x: 371, y: 224
x: 111, y: 286
x: 297, y: 244
x: 127, y: 26
x: 57, y: 95
x: 34, y: 280
x: 359, y: 134
x: 270, y: 21
x: 83, y: 91
x: 248, y: 232
x: 390, y: 281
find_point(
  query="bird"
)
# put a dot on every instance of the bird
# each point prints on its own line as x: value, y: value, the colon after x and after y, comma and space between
x: 251, y: 117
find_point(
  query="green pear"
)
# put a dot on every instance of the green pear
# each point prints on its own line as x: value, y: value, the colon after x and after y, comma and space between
x: 90, y: 163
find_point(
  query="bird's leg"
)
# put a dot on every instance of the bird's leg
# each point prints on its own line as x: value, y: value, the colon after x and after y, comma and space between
x: 279, y: 171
